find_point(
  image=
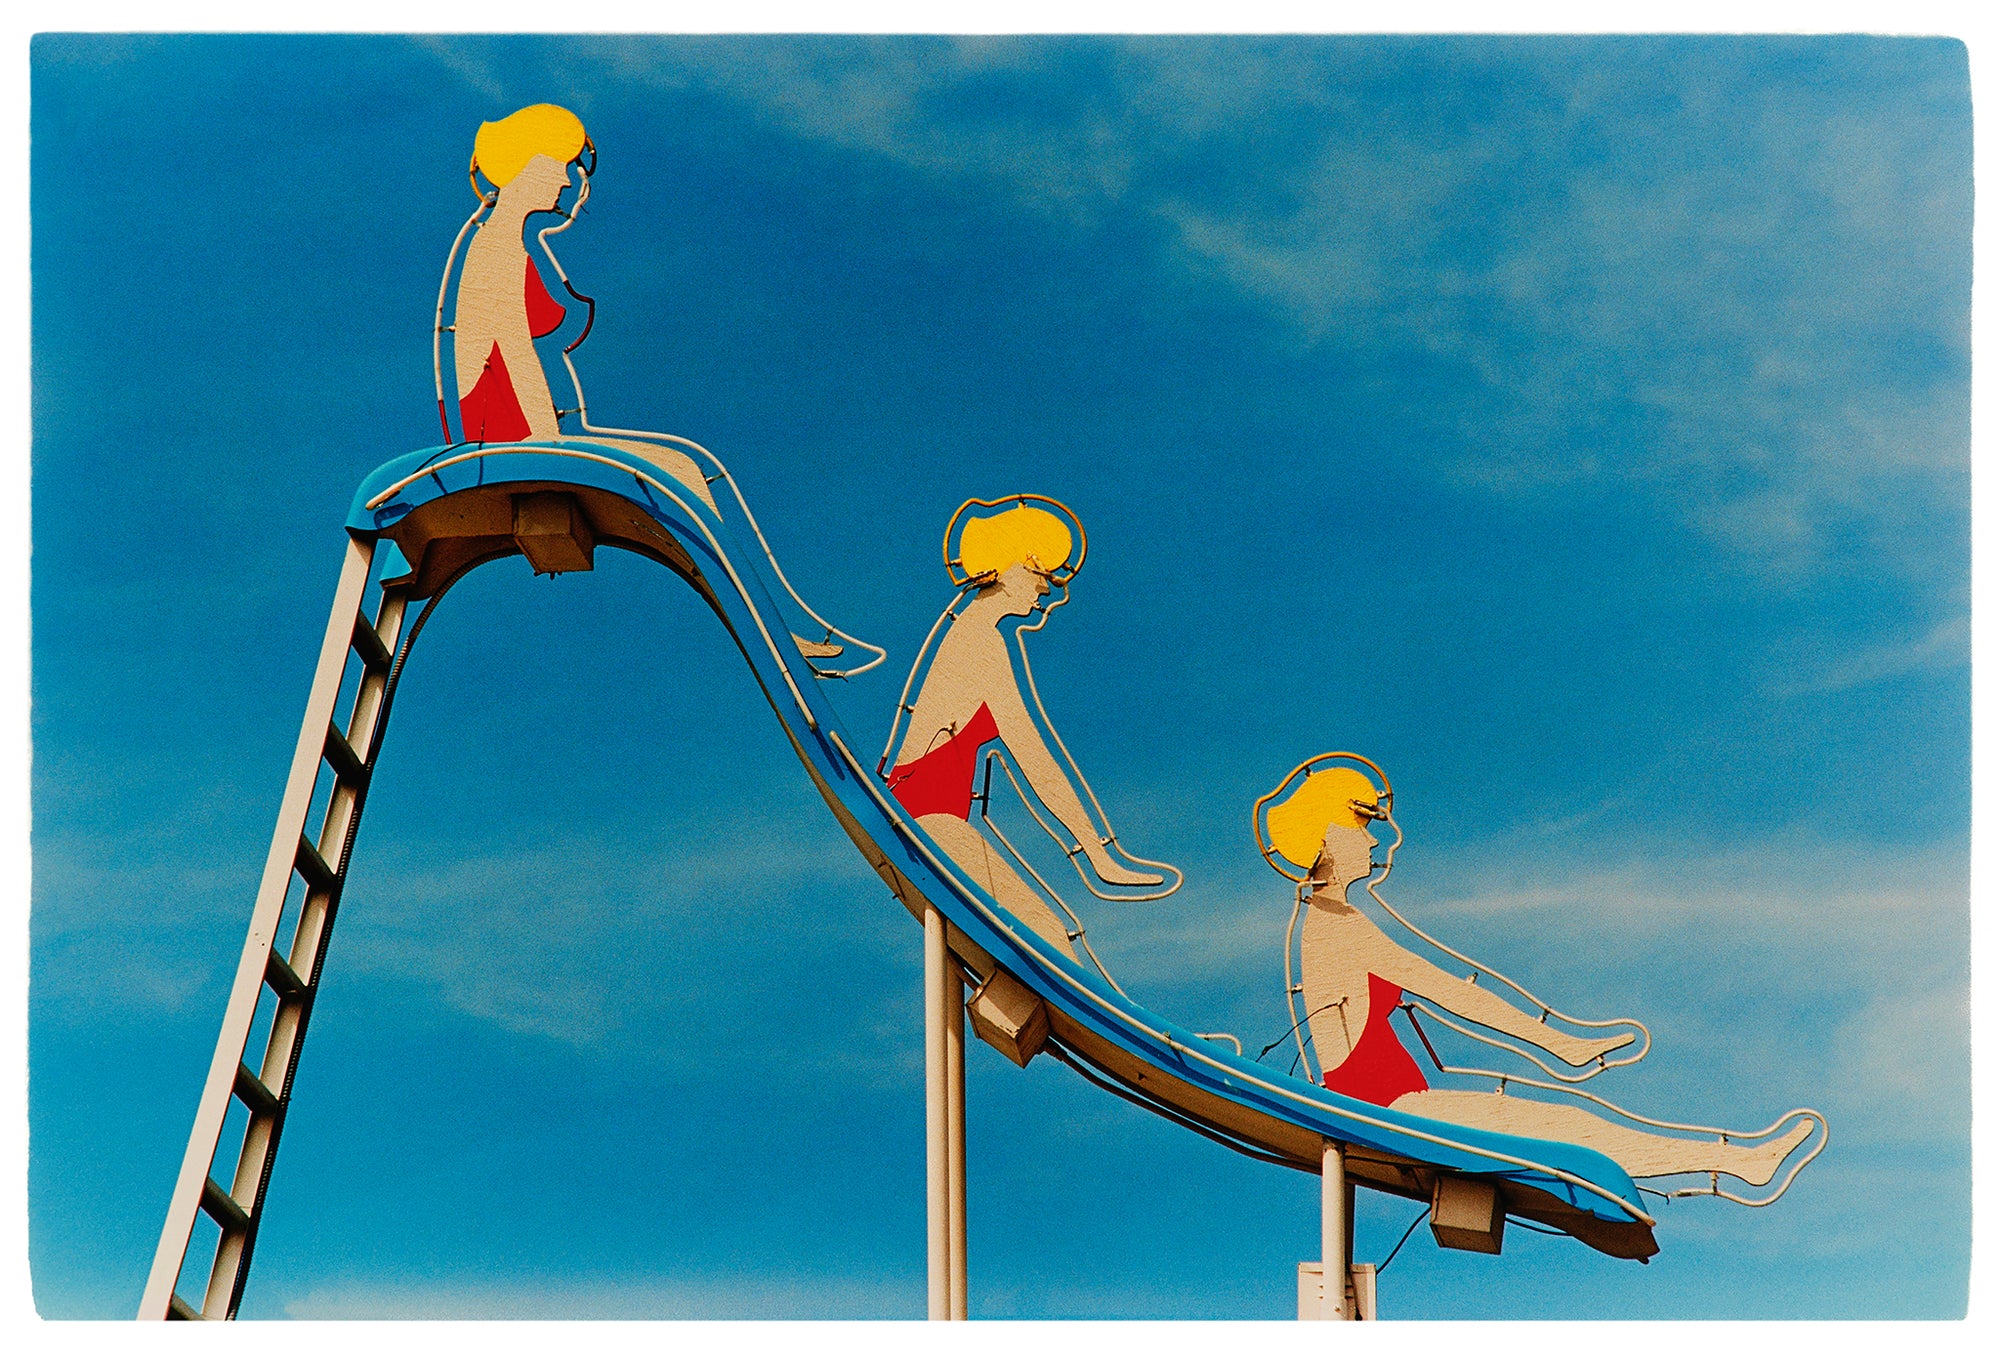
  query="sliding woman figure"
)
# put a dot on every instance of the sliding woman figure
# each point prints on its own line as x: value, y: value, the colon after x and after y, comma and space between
x: 1007, y: 566
x: 1355, y: 976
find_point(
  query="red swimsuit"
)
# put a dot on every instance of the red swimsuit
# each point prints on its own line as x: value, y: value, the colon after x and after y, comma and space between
x: 1378, y: 1070
x: 939, y: 782
x: 491, y: 412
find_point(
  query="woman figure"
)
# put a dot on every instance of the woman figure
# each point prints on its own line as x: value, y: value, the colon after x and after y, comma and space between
x: 1354, y: 976
x: 503, y: 304
x: 970, y: 697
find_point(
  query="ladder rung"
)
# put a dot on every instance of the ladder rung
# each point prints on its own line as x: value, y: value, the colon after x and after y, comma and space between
x: 224, y: 1209
x: 368, y: 645
x: 180, y: 1309
x: 347, y: 765
x: 278, y: 973
x: 312, y: 866
x: 254, y: 1092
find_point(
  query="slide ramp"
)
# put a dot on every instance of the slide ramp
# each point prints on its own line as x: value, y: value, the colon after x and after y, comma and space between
x: 449, y: 509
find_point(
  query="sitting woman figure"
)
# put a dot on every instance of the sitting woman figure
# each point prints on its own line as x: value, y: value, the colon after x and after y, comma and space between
x: 503, y: 305
x: 1010, y: 563
x: 1355, y: 976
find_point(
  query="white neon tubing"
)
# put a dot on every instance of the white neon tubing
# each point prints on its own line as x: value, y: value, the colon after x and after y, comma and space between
x: 724, y: 472
x: 444, y: 286
x: 545, y: 450
x: 1110, y: 838
x: 1547, y: 1012
x: 969, y: 893
x: 1825, y: 1129
x: 1070, y: 850
x: 1081, y: 934
x: 643, y: 435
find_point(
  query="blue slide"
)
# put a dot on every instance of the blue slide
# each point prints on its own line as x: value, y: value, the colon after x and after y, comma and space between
x: 448, y: 509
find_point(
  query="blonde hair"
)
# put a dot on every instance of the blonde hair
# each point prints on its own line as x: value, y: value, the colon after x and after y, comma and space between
x: 503, y: 149
x: 1298, y: 825
x: 1020, y: 536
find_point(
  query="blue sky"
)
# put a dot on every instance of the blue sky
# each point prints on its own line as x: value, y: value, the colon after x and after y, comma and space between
x: 1579, y: 427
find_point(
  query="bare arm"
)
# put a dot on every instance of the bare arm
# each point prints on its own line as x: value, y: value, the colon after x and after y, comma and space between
x: 1483, y: 1006
x: 490, y: 316
x: 1024, y: 741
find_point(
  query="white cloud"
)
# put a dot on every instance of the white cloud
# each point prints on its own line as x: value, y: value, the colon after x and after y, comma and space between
x: 615, y: 957
x: 1726, y: 327
x: 1747, y: 299
x: 461, y: 61
x: 1908, y: 1051
x: 1887, y: 917
x: 1839, y: 971
x: 1947, y: 644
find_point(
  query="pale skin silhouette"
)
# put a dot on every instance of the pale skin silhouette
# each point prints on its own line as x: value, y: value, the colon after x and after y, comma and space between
x: 973, y: 668
x: 491, y: 312
x: 1340, y: 947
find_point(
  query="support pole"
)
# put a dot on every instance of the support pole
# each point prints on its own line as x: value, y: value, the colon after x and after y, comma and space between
x: 1335, y: 1211
x: 937, y: 1128
x: 954, y: 1087
x: 1348, y: 1252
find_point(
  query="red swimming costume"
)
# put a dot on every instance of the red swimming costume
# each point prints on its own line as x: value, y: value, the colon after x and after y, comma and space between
x: 1378, y: 1070
x: 491, y: 411
x: 940, y: 781
x: 545, y: 313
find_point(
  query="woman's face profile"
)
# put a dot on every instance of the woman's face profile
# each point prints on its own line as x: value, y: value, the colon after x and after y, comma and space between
x: 1346, y: 857
x: 1022, y: 588
x: 540, y: 184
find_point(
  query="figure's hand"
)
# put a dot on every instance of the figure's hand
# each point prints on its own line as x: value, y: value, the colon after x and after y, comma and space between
x: 1112, y: 874
x: 1581, y: 1050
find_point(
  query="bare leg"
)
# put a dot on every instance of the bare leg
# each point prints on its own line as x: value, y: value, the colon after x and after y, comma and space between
x: 664, y: 456
x: 1643, y: 1154
x: 969, y: 848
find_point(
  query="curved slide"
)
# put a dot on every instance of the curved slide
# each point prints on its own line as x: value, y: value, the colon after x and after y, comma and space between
x: 449, y: 509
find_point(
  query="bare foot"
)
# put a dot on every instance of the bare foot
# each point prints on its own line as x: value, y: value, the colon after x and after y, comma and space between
x: 1758, y: 1164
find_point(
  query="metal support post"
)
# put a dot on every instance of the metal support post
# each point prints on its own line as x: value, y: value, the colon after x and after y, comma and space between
x: 1336, y: 1215
x: 944, y: 1121
x: 953, y: 1018
x: 937, y: 1114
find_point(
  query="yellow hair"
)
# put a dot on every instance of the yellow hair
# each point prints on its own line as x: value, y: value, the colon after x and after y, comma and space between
x: 1020, y: 535
x: 1298, y: 825
x: 503, y: 149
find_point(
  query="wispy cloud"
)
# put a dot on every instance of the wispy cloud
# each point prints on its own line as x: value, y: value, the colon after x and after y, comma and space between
x: 1750, y: 303
x: 519, y: 938
x: 463, y: 62
x: 130, y: 921
x: 747, y: 1294
x: 1907, y: 1050
x: 1946, y: 645
x: 1735, y: 280
x: 1845, y: 966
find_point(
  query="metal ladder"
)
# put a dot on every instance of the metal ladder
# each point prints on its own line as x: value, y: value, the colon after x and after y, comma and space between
x: 288, y: 967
